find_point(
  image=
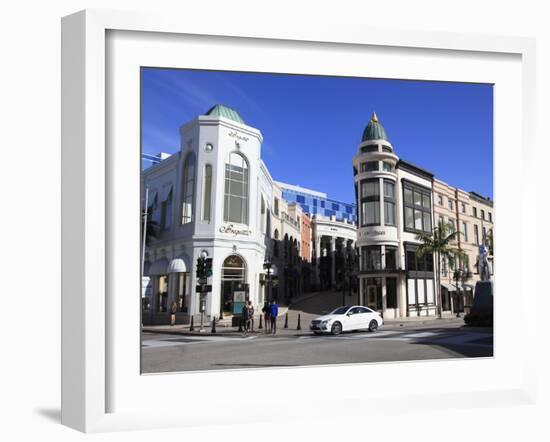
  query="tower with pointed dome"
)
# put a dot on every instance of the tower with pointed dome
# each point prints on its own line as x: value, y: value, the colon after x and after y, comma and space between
x: 393, y: 207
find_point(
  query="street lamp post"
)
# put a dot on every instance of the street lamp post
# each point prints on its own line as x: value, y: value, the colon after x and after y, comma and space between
x: 267, y: 267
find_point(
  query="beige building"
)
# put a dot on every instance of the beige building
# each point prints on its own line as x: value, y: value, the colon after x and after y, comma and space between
x: 472, y: 215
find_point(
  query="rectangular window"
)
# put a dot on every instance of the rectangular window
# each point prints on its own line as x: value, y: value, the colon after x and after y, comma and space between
x: 370, y: 202
x: 409, y: 218
x: 464, y: 231
x: 411, y: 260
x: 484, y: 235
x: 372, y: 214
x: 369, y: 166
x: 463, y: 207
x: 276, y: 206
x: 370, y: 148
x: 476, y: 234
x: 408, y: 195
x: 387, y: 167
x: 474, y: 212
x: 440, y: 200
x: 490, y: 217
x: 389, y: 202
x: 427, y: 226
x: 391, y: 258
x: 450, y: 204
x: 451, y: 224
x: 300, y: 199
x: 207, y: 193
x: 371, y: 258
x: 482, y: 214
x: 335, y: 206
x: 441, y: 220
x: 314, y: 202
x: 386, y: 149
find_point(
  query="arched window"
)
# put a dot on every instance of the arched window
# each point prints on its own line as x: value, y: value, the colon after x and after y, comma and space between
x: 207, y: 193
x: 188, y: 189
x: 236, y: 190
x: 263, y: 223
x: 276, y: 243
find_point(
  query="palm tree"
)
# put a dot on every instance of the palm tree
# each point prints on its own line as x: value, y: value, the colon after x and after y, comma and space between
x: 439, y: 244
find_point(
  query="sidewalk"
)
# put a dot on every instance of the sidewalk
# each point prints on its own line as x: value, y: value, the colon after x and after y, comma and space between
x: 229, y: 331
x: 224, y: 328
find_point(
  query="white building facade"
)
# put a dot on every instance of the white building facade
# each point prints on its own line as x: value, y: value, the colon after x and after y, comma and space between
x: 395, y: 203
x: 213, y: 199
x: 216, y: 198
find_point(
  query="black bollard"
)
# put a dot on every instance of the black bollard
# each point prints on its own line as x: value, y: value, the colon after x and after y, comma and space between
x: 286, y: 321
x: 260, y: 326
x: 299, y: 326
x: 192, y: 328
x: 213, y: 324
x: 240, y: 326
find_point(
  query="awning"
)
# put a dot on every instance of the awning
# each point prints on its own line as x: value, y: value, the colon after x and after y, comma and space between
x: 449, y: 287
x: 159, y: 267
x: 166, y: 192
x: 177, y: 265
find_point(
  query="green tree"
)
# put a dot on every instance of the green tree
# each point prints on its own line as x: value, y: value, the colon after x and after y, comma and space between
x: 438, y: 243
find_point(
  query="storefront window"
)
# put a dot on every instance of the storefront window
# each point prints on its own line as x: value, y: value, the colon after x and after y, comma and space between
x: 374, y: 293
x: 371, y: 258
x: 391, y: 258
x: 391, y: 292
x: 183, y: 281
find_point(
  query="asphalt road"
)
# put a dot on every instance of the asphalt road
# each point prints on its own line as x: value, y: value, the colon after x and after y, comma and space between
x: 170, y: 353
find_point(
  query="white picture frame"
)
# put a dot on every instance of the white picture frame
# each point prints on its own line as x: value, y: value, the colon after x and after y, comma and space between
x: 91, y: 369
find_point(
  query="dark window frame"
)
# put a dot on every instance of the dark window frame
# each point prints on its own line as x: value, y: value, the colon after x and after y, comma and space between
x: 389, y: 200
x: 369, y: 199
x: 423, y: 191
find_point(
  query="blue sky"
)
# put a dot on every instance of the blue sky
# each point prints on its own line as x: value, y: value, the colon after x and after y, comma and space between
x: 312, y: 125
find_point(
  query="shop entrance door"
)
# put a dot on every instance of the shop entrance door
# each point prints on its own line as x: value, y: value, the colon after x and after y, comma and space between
x: 233, y: 279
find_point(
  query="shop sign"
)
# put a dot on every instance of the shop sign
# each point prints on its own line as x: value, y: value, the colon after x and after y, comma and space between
x: 232, y: 230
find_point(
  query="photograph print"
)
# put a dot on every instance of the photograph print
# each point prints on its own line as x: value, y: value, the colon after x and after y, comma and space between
x: 300, y: 220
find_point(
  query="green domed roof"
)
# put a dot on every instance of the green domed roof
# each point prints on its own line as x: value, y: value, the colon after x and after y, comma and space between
x: 374, y: 130
x: 219, y: 110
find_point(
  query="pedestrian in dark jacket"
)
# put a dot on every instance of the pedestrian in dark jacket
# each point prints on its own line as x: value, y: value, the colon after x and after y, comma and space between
x: 274, y: 312
x: 244, y: 318
x: 266, y: 310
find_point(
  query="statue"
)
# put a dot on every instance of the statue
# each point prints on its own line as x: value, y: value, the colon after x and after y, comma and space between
x: 483, y: 263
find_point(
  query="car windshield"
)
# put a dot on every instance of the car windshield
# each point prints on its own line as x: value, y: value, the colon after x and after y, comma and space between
x: 340, y: 310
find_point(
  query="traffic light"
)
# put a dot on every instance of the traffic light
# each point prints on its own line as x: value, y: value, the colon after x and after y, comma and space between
x: 208, y: 267
x: 200, y: 267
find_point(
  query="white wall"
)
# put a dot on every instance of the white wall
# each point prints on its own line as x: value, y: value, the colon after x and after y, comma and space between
x: 30, y: 112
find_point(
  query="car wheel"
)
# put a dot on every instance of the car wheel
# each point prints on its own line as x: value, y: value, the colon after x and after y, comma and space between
x: 373, y: 326
x: 336, y: 328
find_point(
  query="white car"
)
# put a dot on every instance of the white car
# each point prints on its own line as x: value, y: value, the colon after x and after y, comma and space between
x: 347, y: 318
